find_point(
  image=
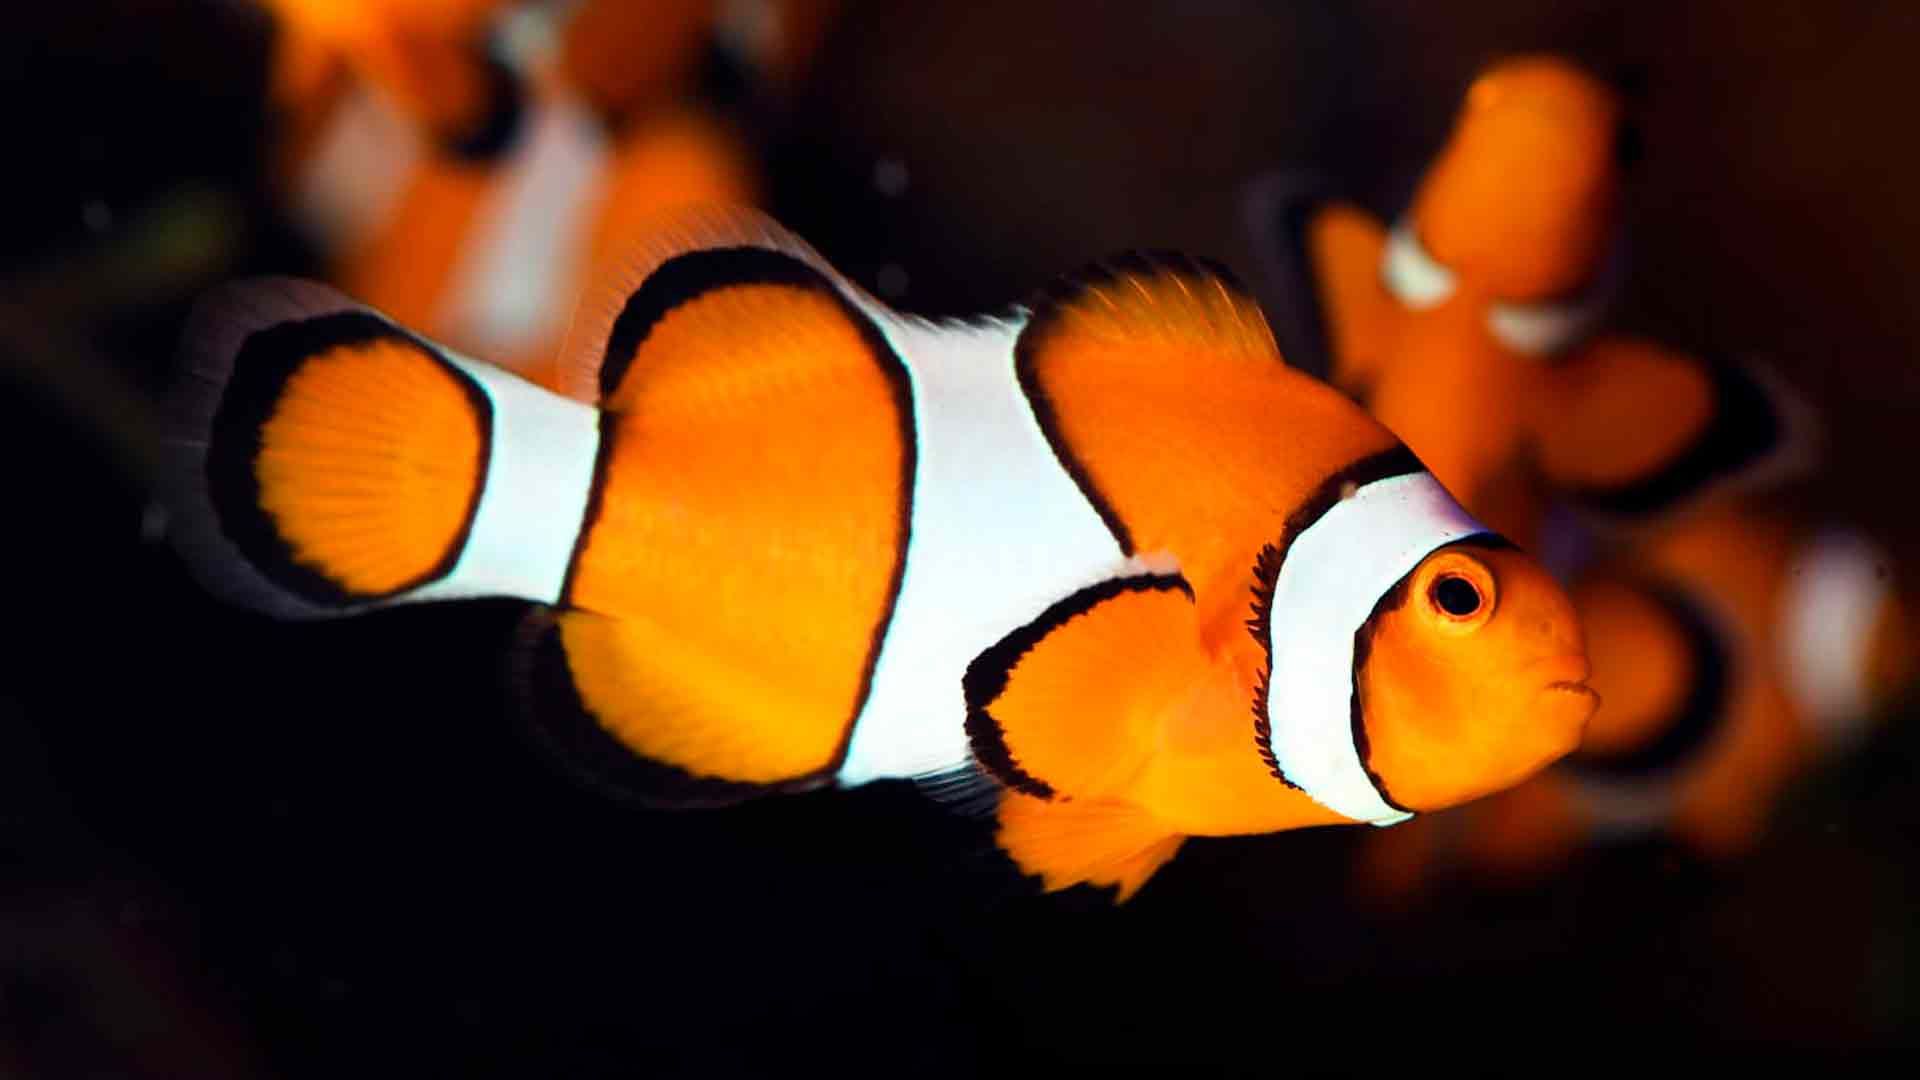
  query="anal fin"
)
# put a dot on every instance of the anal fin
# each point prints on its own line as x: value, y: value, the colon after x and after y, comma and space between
x: 1093, y: 842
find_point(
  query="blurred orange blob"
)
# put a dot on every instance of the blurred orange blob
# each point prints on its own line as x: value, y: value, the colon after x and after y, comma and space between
x: 427, y: 58
x: 486, y: 243
x: 469, y: 176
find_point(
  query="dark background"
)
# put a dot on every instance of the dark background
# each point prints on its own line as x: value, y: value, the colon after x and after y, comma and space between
x: 233, y: 847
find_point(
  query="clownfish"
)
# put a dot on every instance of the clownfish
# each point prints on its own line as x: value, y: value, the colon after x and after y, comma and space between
x: 432, y: 61
x: 1743, y: 649
x: 1736, y: 653
x: 440, y: 234
x: 1106, y: 559
x: 1469, y: 325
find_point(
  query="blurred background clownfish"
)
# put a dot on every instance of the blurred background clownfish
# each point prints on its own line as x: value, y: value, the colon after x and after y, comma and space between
x: 433, y: 151
x: 1730, y: 648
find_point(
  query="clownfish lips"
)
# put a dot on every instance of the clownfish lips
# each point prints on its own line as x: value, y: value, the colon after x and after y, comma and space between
x: 1571, y: 703
x: 1574, y: 686
x: 1565, y: 702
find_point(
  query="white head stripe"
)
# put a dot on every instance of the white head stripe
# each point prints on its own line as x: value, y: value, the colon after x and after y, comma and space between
x: 1542, y: 328
x: 1335, y: 571
x: 539, y: 475
x: 1414, y: 277
x: 1834, y: 595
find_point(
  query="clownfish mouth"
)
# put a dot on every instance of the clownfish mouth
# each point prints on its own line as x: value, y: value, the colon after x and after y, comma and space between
x: 1574, y: 686
x: 1568, y: 704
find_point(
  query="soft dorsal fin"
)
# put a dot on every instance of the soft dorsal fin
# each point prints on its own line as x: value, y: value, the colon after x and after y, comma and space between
x: 1157, y: 298
x: 714, y: 287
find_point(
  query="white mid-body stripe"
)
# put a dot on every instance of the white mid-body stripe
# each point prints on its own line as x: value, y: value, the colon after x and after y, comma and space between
x: 1335, y: 571
x: 539, y: 475
x: 521, y: 268
x: 1000, y: 531
x: 1834, y: 595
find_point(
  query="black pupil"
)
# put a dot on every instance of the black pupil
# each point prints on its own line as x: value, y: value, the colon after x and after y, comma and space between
x: 1456, y: 596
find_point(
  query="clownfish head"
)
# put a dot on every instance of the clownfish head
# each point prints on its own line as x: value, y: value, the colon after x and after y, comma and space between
x: 1470, y: 676
x: 1522, y: 200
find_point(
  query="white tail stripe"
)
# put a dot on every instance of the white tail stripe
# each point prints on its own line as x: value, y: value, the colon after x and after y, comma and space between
x: 1336, y: 571
x: 539, y: 476
x: 1834, y: 596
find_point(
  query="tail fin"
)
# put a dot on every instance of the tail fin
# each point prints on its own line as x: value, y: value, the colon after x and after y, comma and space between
x: 323, y: 460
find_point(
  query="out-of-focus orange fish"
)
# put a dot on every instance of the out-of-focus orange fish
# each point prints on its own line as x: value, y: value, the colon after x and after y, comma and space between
x: 629, y: 59
x: 1467, y: 326
x: 1734, y: 653
x: 484, y: 246
x: 1107, y: 557
x: 432, y: 61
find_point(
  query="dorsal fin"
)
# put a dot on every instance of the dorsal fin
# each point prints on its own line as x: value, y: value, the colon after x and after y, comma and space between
x: 682, y: 256
x: 1106, y: 351
x: 1161, y: 298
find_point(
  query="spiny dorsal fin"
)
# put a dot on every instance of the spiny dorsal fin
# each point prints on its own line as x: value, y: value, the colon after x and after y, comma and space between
x: 1157, y: 298
x: 694, y: 257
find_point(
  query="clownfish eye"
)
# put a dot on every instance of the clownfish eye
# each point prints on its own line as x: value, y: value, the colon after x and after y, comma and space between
x: 1455, y: 595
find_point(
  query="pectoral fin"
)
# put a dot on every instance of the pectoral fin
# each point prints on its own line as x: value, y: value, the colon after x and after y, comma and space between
x: 1064, y: 713
x: 1067, y: 706
x: 1104, y: 844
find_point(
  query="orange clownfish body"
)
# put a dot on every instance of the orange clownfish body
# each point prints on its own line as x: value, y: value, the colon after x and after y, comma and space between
x: 1734, y: 653
x: 1467, y: 326
x: 784, y: 537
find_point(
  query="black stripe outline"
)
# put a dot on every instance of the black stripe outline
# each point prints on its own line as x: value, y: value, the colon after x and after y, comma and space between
x: 691, y: 275
x: 1390, y: 601
x: 496, y: 132
x: 266, y: 361
x: 987, y: 676
x: 609, y: 425
x: 686, y: 277
x: 1396, y: 460
x: 1047, y: 308
x: 567, y: 732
